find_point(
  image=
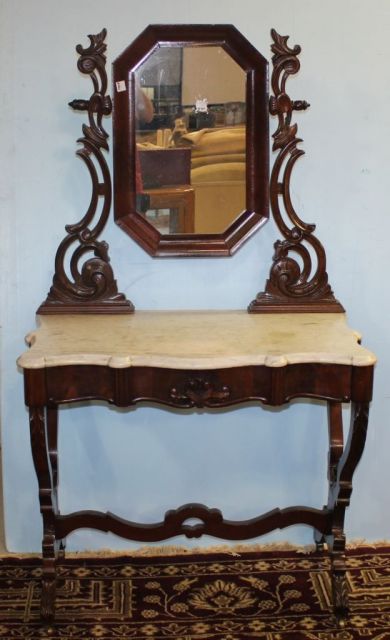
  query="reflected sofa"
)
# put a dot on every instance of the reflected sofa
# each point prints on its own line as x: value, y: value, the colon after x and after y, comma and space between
x: 217, y: 176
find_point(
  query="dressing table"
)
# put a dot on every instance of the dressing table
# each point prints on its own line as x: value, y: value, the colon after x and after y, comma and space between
x: 292, y: 342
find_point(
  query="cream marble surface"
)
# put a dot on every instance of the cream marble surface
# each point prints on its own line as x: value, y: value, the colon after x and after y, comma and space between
x: 193, y: 340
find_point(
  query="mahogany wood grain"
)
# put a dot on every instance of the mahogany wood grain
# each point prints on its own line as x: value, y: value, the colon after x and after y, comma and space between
x: 185, y: 388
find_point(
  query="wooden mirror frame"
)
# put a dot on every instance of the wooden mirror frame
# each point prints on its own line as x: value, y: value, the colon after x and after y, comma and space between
x: 257, y: 141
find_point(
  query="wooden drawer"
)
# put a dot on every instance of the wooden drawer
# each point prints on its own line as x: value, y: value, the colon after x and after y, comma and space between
x: 196, y: 388
x: 205, y: 388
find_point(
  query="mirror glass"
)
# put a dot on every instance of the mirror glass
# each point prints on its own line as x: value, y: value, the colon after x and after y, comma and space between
x: 190, y: 114
x: 191, y: 140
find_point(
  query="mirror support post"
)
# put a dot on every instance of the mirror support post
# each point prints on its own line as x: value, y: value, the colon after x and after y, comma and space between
x: 93, y: 288
x: 293, y: 285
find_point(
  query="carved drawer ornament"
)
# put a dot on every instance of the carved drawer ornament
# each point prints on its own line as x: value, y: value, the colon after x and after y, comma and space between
x: 199, y: 392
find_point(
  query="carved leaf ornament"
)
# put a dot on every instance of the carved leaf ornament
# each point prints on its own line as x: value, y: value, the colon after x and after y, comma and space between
x: 294, y: 283
x: 91, y: 287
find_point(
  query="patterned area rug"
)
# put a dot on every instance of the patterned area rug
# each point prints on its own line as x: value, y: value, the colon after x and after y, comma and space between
x: 269, y: 596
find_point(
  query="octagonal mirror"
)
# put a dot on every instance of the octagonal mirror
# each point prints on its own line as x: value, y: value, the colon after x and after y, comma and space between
x: 190, y: 140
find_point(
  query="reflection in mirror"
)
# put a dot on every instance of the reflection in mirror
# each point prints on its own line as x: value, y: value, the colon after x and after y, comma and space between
x: 190, y: 104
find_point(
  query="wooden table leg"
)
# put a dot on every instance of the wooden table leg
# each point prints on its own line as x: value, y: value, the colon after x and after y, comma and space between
x: 339, y: 500
x: 52, y: 441
x: 47, y: 500
x: 336, y: 446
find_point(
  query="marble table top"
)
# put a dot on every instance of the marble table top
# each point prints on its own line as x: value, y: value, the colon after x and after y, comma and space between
x: 193, y: 340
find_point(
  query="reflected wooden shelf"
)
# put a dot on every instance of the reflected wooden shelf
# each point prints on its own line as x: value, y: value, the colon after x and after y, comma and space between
x: 180, y: 200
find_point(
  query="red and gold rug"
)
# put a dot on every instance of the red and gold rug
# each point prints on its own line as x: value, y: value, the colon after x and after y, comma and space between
x: 268, y: 596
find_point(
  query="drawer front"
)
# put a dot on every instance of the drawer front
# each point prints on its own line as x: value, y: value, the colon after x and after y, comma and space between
x: 186, y: 389
x: 79, y: 382
x: 317, y: 380
x: 200, y: 388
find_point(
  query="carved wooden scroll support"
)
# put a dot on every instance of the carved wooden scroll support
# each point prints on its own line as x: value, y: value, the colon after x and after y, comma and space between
x: 90, y: 286
x: 298, y: 281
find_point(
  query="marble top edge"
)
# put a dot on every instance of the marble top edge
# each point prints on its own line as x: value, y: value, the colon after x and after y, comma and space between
x: 200, y: 339
x: 31, y: 361
x: 155, y: 312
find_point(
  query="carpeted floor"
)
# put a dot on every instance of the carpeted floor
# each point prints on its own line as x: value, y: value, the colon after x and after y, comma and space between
x: 269, y: 596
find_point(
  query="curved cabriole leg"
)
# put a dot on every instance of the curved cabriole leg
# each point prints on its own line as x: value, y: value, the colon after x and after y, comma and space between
x: 47, y: 502
x: 52, y: 441
x: 336, y: 446
x: 339, y: 501
x: 336, y: 441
